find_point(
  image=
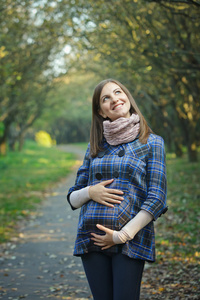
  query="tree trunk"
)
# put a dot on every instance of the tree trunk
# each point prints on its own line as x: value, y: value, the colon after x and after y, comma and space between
x: 178, y: 149
x: 3, y: 147
x: 3, y: 138
x: 21, y: 141
x: 192, y: 153
x: 11, y: 144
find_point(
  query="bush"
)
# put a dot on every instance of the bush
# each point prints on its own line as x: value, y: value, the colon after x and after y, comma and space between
x: 43, y: 138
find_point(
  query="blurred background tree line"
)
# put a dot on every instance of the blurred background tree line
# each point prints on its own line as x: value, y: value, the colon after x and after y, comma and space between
x: 53, y: 53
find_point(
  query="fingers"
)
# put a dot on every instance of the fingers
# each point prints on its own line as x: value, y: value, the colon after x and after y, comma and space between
x: 100, y: 244
x: 99, y: 241
x: 107, y: 204
x: 111, y: 191
x: 105, y: 196
x: 110, y: 195
x: 103, y: 240
x: 114, y: 198
x: 106, y: 182
x: 103, y: 228
x: 114, y: 191
x: 106, y: 247
x: 109, y: 201
x: 98, y: 237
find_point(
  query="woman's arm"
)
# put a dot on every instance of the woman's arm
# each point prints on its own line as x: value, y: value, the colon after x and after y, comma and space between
x: 98, y: 193
x: 128, y: 232
x: 81, y: 177
x: 80, y: 197
x: 155, y: 202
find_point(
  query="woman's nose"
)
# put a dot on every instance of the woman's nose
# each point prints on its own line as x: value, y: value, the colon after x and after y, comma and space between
x: 114, y: 99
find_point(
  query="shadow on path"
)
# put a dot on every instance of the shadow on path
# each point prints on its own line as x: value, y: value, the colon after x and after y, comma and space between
x: 41, y: 265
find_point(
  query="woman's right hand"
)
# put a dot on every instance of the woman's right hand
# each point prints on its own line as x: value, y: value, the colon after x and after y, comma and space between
x: 99, y: 193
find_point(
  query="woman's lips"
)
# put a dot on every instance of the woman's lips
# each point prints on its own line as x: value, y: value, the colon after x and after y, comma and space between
x: 117, y: 106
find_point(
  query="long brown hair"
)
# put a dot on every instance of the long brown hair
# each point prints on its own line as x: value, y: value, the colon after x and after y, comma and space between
x: 96, y: 133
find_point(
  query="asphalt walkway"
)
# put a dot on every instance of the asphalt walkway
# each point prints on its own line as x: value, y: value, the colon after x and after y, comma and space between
x: 40, y: 264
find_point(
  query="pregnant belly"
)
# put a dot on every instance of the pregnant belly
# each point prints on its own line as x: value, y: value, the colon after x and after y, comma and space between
x: 114, y: 218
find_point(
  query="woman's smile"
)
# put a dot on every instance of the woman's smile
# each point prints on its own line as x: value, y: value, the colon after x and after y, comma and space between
x: 118, y: 106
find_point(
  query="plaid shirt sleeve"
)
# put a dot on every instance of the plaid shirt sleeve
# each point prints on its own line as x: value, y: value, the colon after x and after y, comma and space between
x: 155, y: 202
x: 82, y: 175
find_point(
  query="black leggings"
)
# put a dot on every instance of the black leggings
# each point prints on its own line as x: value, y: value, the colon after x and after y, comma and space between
x: 113, y: 277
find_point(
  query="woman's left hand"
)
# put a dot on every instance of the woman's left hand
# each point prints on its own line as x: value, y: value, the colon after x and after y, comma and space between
x: 105, y: 241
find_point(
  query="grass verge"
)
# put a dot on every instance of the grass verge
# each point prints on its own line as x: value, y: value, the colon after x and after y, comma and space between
x: 24, y: 177
x: 175, y: 275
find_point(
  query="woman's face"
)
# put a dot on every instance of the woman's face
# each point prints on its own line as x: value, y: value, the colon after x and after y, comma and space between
x: 113, y: 102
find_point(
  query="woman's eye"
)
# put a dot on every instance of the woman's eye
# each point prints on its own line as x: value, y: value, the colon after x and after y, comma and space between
x: 105, y: 99
x: 117, y: 92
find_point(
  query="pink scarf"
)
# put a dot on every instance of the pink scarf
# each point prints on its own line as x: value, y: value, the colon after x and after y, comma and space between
x: 122, y: 130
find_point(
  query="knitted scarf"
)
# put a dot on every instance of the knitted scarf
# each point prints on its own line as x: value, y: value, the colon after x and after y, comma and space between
x: 122, y: 130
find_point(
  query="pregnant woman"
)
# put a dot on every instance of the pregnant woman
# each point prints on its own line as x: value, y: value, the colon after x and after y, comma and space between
x: 121, y: 189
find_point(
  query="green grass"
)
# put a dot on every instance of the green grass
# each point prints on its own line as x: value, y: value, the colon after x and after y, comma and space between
x: 23, y: 177
x: 178, y: 231
x: 175, y: 275
x: 81, y: 145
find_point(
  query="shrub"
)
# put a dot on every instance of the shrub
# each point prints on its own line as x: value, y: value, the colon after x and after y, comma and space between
x: 43, y: 138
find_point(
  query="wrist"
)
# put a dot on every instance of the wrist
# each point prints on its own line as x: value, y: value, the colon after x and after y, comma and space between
x: 121, y: 237
x: 79, y: 197
x: 116, y: 238
x: 90, y: 191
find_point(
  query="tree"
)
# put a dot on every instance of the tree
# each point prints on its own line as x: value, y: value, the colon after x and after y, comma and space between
x: 32, y: 35
x: 70, y: 120
x: 156, y: 47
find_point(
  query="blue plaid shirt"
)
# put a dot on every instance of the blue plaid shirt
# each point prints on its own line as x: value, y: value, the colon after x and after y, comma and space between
x: 139, y: 171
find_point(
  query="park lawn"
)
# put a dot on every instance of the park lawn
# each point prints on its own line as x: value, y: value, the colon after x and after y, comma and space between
x: 175, y: 275
x: 81, y: 145
x: 181, y: 222
x: 24, y: 178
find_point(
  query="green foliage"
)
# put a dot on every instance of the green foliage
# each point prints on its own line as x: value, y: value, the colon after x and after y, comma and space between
x: 151, y: 46
x: 44, y: 139
x: 2, y: 127
x: 70, y: 119
x: 32, y: 36
x: 154, y: 50
x: 25, y: 176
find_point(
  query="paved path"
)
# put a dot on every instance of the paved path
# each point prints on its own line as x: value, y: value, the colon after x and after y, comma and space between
x: 41, y: 265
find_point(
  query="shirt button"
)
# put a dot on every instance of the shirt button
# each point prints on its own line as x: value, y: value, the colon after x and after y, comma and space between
x: 101, y: 154
x: 116, y: 174
x: 121, y: 153
x: 98, y: 176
